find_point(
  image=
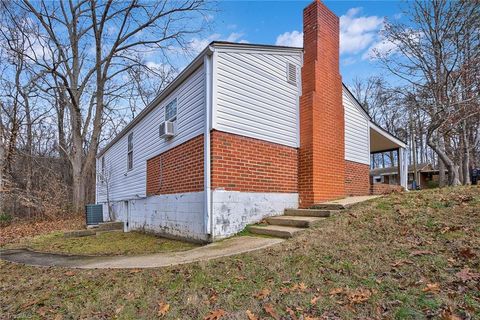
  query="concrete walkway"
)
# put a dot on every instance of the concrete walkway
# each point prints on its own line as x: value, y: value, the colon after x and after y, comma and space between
x: 225, y: 248
x: 350, y: 201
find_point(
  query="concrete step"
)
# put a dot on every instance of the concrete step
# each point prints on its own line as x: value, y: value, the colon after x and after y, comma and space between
x: 293, y: 221
x: 108, y: 226
x: 275, y: 231
x: 329, y: 206
x: 79, y: 233
x: 307, y: 212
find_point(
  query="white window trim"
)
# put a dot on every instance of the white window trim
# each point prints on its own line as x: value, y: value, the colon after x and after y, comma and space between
x: 102, y: 170
x: 172, y: 119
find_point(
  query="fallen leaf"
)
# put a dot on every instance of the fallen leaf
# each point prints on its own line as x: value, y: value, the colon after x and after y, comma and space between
x: 420, y: 253
x: 359, y: 296
x: 163, y: 308
x: 213, y: 298
x: 270, y: 311
x: 314, y: 300
x: 298, y: 287
x: 466, y: 275
x: 432, y: 287
x: 448, y: 314
x: 335, y: 291
x: 262, y: 294
x: 401, y: 262
x: 215, y: 315
x: 250, y: 315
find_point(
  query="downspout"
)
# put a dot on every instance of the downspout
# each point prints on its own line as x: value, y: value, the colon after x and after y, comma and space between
x: 207, y: 62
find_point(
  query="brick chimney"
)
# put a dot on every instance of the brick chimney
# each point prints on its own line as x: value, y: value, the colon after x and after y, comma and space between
x: 322, y: 125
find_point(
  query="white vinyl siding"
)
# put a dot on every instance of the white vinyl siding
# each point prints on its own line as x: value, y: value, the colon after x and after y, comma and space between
x: 357, y: 139
x: 190, y: 121
x: 253, y: 97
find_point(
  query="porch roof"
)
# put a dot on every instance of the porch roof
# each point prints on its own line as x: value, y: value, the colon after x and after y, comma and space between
x: 381, y: 140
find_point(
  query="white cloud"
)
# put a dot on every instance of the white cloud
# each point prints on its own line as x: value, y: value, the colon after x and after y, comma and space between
x: 382, y: 47
x: 358, y: 32
x: 348, y: 61
x: 197, y: 45
x: 290, y: 39
x: 234, y: 37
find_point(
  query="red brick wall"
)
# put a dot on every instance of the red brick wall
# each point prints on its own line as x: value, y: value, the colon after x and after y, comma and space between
x: 251, y: 165
x: 322, y: 140
x: 177, y: 170
x: 381, y: 188
x: 357, y: 179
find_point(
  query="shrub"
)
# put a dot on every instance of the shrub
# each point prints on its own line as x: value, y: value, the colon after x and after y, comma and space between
x: 5, y: 219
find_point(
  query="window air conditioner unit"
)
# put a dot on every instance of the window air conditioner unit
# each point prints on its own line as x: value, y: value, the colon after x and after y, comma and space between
x: 167, y: 129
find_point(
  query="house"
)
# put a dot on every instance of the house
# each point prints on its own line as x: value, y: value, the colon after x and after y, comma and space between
x: 426, y: 176
x: 256, y: 129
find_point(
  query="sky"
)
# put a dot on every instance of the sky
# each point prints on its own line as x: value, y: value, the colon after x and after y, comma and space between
x: 280, y: 22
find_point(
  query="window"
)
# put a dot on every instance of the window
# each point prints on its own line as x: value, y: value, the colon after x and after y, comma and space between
x: 130, y: 152
x: 291, y: 73
x: 171, y: 110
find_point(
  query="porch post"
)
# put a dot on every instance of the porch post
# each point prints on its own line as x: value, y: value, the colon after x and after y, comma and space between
x: 402, y: 167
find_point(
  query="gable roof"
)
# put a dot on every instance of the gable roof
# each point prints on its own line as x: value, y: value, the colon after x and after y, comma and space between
x: 356, y: 100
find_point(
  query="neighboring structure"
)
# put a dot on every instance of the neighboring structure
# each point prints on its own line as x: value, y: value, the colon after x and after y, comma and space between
x: 426, y: 176
x: 256, y: 129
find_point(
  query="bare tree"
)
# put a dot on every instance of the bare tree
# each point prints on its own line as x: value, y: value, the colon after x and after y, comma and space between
x: 87, y: 78
x: 427, y: 55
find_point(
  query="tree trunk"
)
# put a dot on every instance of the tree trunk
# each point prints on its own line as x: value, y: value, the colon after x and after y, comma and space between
x: 466, y: 156
x: 29, y: 146
x: 442, y: 155
x: 77, y: 160
x: 442, y: 178
x: 78, y: 187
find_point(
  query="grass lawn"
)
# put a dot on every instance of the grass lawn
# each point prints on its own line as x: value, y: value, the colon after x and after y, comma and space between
x: 105, y: 243
x: 405, y: 256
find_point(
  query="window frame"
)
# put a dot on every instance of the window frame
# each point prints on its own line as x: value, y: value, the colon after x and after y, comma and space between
x: 130, y: 151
